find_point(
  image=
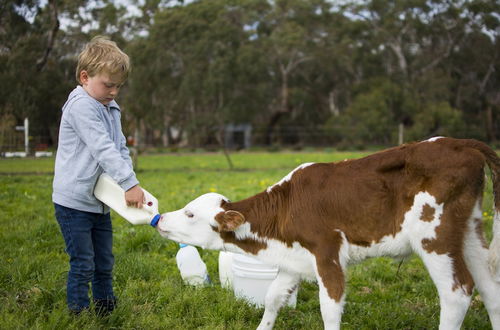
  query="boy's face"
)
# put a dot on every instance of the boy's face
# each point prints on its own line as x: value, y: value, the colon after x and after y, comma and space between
x: 102, y: 87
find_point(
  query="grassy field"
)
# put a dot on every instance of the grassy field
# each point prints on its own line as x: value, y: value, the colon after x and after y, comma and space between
x: 149, y: 288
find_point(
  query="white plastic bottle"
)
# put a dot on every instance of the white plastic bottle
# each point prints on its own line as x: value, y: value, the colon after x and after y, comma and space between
x: 111, y: 194
x: 193, y: 270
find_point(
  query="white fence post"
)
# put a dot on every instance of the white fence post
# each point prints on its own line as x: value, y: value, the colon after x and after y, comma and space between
x: 26, y: 136
x: 401, y: 133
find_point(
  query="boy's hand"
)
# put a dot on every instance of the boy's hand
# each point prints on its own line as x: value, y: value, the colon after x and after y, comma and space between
x: 134, y: 197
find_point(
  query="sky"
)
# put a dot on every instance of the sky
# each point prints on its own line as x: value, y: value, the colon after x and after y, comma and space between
x: 132, y: 10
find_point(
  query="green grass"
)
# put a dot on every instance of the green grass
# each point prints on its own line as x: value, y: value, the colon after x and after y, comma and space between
x: 150, y: 291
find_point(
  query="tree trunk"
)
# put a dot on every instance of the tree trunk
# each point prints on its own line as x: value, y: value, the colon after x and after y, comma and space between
x: 490, y: 129
x: 40, y: 64
x: 332, y: 104
x: 398, y: 51
x: 283, y: 109
x: 275, y: 117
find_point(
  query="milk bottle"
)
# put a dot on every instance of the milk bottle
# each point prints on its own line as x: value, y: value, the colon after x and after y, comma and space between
x: 193, y: 270
x: 111, y: 194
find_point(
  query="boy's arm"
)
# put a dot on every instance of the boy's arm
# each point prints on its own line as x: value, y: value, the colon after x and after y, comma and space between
x: 124, y: 151
x: 83, y: 117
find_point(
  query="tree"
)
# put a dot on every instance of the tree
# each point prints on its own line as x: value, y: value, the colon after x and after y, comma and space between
x: 186, y: 68
x: 32, y: 72
x: 357, y: 70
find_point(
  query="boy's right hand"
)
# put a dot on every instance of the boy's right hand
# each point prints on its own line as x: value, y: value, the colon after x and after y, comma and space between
x: 134, y: 197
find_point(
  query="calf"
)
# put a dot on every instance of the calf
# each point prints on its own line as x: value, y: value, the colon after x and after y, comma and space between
x: 422, y: 198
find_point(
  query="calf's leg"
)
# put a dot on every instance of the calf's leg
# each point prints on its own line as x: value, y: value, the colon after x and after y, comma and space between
x: 277, y: 295
x: 454, y: 299
x: 436, y: 226
x: 476, y: 257
x: 331, y: 284
x: 440, y: 245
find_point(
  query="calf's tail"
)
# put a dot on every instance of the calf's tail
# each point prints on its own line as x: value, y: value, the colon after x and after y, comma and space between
x: 493, y: 162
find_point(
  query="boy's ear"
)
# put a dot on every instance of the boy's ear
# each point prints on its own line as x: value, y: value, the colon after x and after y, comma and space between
x: 229, y: 220
x: 84, y: 76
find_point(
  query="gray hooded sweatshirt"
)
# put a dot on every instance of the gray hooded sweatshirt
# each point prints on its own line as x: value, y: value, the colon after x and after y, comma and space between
x: 90, y: 142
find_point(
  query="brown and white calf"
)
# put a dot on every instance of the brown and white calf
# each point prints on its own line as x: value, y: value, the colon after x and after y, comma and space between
x: 422, y: 198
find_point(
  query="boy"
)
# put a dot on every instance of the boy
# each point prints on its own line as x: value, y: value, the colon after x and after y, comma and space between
x: 91, y: 142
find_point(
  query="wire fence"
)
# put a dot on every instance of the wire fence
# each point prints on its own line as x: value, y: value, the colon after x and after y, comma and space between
x: 244, y: 137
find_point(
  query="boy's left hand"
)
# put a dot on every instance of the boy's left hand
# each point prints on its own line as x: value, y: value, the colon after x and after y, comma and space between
x: 134, y: 197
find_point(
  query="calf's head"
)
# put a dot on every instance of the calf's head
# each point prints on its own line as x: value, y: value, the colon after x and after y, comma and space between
x: 201, y: 222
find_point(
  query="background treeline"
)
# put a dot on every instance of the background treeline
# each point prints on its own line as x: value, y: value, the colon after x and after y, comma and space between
x: 302, y: 72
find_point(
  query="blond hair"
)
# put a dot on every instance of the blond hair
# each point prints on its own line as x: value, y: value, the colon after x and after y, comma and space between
x: 101, y: 55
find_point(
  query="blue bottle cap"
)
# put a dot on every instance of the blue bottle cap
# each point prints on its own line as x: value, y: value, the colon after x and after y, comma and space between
x: 155, y: 220
x: 182, y: 245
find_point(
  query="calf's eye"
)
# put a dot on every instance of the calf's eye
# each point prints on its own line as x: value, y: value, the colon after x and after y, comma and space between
x: 189, y: 214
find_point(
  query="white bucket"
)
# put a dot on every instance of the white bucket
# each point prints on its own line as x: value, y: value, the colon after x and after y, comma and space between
x: 225, y: 270
x: 252, y: 278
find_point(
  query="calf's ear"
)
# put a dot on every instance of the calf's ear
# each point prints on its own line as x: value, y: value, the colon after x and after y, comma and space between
x: 229, y: 220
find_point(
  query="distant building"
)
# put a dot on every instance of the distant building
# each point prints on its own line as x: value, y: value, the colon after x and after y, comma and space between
x: 238, y: 136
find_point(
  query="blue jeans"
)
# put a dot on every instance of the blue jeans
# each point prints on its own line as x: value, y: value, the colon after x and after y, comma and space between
x: 89, y: 238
